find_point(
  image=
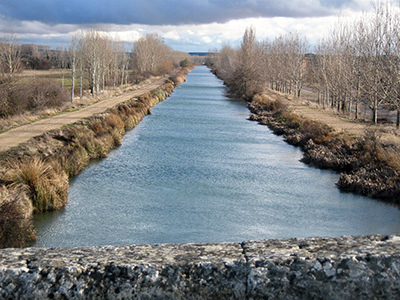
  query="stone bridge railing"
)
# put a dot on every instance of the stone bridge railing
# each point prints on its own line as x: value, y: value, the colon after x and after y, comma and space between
x: 366, y: 267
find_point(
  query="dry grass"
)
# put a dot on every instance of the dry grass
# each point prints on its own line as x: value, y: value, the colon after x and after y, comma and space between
x: 46, y: 186
x: 15, y: 217
x: 180, y: 76
x: 114, y: 122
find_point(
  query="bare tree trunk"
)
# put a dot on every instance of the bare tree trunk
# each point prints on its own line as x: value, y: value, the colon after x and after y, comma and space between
x: 81, y: 82
x: 93, y: 81
x: 375, y: 110
x: 122, y: 75
x: 398, y: 119
x: 62, y: 72
x: 73, y: 77
x: 97, y: 83
x: 375, y: 115
x: 103, y: 81
x: 350, y: 107
x: 356, y: 110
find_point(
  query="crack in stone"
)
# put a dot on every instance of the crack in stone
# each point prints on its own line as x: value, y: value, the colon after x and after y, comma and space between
x: 248, y: 267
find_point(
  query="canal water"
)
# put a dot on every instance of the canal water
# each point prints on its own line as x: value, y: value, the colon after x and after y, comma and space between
x: 197, y: 170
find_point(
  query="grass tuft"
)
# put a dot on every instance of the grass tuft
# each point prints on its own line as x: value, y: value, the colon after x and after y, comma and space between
x: 46, y: 186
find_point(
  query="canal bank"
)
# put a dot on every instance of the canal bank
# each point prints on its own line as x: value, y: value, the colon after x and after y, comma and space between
x: 35, y: 175
x: 367, y: 166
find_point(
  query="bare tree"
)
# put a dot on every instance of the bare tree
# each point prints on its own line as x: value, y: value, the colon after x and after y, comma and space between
x: 149, y: 53
x: 10, y: 58
x: 73, y: 54
x: 247, y: 74
x: 296, y: 49
x: 225, y: 64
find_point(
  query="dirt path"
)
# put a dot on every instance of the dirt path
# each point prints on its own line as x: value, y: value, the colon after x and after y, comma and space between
x: 309, y: 110
x: 21, y: 134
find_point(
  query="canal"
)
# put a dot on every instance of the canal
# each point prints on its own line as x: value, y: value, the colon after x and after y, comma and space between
x: 197, y: 170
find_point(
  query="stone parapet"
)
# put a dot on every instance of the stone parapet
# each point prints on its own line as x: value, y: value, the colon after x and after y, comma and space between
x: 364, y: 267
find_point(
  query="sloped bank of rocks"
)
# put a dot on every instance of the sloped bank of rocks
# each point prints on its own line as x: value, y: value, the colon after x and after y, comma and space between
x: 363, y: 163
x: 365, y: 267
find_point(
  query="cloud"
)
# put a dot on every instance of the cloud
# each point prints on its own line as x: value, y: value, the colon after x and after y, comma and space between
x: 184, y: 25
x: 172, y: 35
x: 161, y: 12
x: 206, y: 39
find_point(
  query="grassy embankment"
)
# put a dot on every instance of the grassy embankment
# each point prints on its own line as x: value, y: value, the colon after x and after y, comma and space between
x: 34, y: 177
x: 366, y: 165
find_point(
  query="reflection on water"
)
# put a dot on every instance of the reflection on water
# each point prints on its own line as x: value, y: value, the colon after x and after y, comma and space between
x: 197, y: 170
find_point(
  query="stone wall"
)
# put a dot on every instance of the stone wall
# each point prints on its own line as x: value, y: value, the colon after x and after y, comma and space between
x: 366, y: 267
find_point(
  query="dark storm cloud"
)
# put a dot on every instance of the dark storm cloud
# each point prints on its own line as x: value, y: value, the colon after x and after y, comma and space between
x: 160, y: 12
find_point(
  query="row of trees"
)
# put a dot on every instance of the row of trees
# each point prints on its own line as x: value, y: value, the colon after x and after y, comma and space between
x: 279, y: 64
x: 99, y: 58
x: 94, y: 58
x: 106, y: 59
x: 357, y: 63
x: 15, y: 57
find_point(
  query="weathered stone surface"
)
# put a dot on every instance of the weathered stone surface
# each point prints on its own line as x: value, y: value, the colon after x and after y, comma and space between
x: 325, y: 268
x: 366, y: 267
x: 144, y: 272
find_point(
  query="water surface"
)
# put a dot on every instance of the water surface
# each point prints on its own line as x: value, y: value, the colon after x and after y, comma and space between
x: 197, y: 170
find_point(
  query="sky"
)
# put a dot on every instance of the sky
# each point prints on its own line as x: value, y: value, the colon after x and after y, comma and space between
x: 185, y: 25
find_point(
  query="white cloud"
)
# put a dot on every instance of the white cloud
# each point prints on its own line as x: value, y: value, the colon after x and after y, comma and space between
x: 206, y: 39
x: 172, y: 35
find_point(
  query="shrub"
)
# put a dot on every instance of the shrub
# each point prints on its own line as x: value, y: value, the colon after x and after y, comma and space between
x: 293, y: 121
x: 268, y: 104
x: 22, y: 95
x: 318, y: 131
x: 185, y: 63
x: 374, y: 151
x: 166, y: 67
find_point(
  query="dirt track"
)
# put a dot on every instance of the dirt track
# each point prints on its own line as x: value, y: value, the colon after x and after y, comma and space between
x: 308, y: 109
x: 16, y: 136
